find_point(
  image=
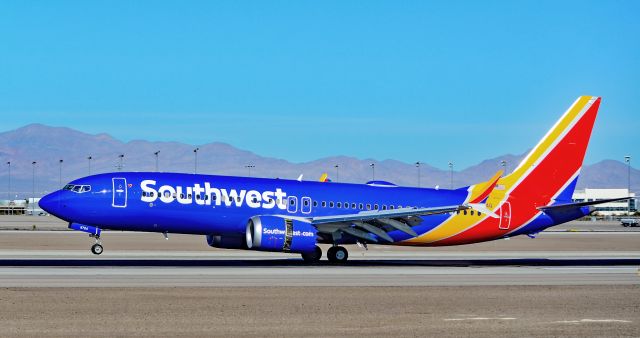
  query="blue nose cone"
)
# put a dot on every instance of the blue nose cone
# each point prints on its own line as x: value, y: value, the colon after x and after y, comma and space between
x: 51, y: 203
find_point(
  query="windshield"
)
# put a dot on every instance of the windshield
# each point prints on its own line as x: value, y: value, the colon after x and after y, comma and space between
x: 77, y: 188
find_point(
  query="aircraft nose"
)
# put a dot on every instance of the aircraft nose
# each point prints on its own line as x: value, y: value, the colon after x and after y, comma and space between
x: 51, y: 203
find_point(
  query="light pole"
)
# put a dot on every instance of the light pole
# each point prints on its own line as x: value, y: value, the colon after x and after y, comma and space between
x: 9, y: 191
x: 89, y: 158
x: 450, y: 175
x: 60, y: 177
x: 627, y: 159
x: 337, y: 172
x: 156, y: 153
x: 33, y: 188
x: 249, y: 167
x: 121, y: 163
x: 503, y: 163
x: 373, y: 171
x: 195, y: 152
x: 418, y: 166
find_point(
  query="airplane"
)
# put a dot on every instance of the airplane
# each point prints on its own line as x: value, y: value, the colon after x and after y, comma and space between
x: 294, y: 216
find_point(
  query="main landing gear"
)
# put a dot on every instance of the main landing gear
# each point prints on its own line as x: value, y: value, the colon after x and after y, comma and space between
x: 97, y: 248
x: 312, y: 257
x: 335, y: 254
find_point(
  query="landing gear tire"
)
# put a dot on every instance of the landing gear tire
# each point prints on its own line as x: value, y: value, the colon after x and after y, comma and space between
x: 97, y: 249
x: 312, y: 257
x: 337, y: 254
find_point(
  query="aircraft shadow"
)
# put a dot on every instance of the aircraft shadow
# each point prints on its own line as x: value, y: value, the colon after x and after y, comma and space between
x: 108, y: 262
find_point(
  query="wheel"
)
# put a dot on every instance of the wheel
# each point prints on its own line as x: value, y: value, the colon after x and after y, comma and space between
x: 312, y: 257
x: 97, y: 249
x: 337, y: 254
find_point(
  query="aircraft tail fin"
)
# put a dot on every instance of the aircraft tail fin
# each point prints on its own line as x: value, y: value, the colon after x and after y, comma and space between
x: 550, y: 171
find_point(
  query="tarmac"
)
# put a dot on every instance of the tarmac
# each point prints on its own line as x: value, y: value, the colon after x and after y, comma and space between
x: 579, y: 280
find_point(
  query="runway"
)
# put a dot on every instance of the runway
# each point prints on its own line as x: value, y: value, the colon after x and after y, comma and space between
x: 560, y: 284
x: 147, y: 260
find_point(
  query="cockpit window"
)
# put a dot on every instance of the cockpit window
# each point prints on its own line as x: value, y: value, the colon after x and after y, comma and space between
x: 77, y: 188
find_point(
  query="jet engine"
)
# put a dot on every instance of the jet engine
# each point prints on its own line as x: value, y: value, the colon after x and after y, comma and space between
x: 273, y: 233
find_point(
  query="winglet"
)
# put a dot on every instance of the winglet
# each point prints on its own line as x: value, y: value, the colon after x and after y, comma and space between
x: 486, y: 188
x: 324, y: 177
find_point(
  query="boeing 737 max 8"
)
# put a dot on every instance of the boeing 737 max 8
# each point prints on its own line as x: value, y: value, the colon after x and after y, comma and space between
x: 294, y: 216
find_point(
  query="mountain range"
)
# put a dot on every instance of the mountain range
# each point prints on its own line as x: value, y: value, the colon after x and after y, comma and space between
x: 47, y: 145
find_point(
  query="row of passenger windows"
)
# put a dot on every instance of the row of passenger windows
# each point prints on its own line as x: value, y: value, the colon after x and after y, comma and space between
x: 347, y: 205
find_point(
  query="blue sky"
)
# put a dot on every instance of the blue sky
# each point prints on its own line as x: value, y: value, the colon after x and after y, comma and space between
x: 430, y: 81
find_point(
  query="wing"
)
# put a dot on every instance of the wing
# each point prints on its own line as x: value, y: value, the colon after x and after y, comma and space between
x: 366, y: 224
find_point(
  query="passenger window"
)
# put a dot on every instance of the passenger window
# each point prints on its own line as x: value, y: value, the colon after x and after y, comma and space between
x: 167, y: 194
x: 197, y: 197
x: 213, y: 197
x: 254, y: 200
x: 324, y: 204
x: 384, y: 207
x: 353, y: 205
x: 181, y: 195
x: 315, y: 204
x: 391, y: 207
x: 368, y: 206
x: 465, y: 212
x: 77, y: 188
x: 238, y: 199
x: 375, y: 206
x: 479, y: 213
x: 291, y: 202
x: 331, y: 204
x: 471, y: 212
x: 339, y: 204
x: 306, y: 203
x: 361, y: 206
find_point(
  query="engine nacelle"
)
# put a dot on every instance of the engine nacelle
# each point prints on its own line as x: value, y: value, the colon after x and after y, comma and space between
x: 272, y: 233
x: 227, y: 242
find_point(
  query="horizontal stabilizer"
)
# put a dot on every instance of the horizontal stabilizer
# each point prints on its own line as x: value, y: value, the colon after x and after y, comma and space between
x: 556, y: 207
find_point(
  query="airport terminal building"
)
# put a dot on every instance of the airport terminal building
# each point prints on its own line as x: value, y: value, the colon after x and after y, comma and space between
x: 607, y: 209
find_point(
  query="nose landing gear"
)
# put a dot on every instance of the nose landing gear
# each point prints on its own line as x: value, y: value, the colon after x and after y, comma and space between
x: 97, y: 248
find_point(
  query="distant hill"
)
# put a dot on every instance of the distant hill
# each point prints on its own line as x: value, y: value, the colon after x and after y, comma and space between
x: 47, y: 145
